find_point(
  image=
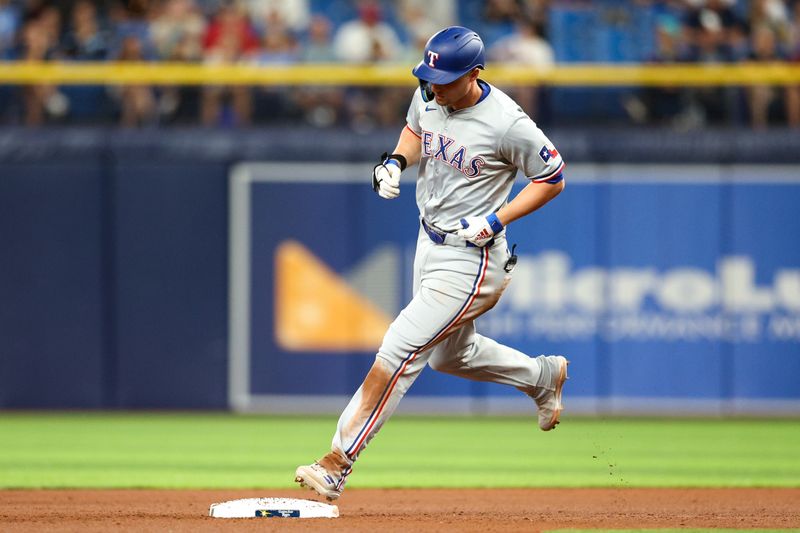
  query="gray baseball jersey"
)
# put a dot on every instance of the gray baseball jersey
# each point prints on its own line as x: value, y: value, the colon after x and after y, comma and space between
x: 470, y: 157
x: 469, y: 161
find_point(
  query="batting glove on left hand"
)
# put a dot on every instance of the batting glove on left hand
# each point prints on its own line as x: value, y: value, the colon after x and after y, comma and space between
x: 480, y: 230
x: 386, y: 176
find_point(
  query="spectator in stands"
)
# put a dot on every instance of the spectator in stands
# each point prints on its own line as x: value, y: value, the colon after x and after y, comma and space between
x: 278, y: 44
x: 318, y: 47
x: 132, y: 41
x: 664, y: 105
x: 739, y: 41
x: 209, y: 8
x: 33, y: 9
x: 793, y: 91
x: 9, y: 25
x: 50, y: 21
x: 230, y: 38
x: 367, y: 39
x: 502, y: 10
x: 137, y: 102
x: 536, y: 11
x: 525, y: 47
x: 321, y: 106
x: 38, y: 45
x: 513, y: 11
x: 764, y: 100
x: 774, y: 15
x: 432, y: 16
x: 420, y: 27
x: 85, y: 41
x: 712, y: 28
x: 131, y: 18
x: 772, y: 37
x: 294, y: 14
x: 671, y: 46
x: 35, y: 48
x: 794, y: 30
x: 708, y: 30
x: 177, y: 33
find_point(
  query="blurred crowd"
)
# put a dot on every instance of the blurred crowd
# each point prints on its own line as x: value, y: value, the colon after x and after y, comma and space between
x: 371, y: 31
x: 723, y: 31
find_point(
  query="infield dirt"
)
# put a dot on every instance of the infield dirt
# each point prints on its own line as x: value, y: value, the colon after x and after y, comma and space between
x: 407, y: 510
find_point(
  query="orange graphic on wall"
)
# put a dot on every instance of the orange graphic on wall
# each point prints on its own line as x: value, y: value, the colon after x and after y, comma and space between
x: 316, y: 310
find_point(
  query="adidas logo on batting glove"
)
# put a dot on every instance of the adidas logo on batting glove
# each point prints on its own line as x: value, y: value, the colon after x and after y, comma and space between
x: 480, y: 230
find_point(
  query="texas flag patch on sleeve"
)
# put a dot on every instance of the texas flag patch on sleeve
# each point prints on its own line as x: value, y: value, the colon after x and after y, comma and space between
x: 546, y: 153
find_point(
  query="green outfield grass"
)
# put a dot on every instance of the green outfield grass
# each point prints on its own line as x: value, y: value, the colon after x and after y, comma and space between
x: 226, y: 451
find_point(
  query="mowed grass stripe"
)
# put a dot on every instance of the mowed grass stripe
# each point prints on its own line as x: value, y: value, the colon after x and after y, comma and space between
x: 226, y: 451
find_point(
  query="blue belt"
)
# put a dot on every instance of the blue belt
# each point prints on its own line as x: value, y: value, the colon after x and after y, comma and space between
x: 439, y: 237
x: 436, y: 235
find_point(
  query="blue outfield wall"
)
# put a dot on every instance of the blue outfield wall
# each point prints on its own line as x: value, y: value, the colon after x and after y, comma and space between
x: 669, y: 287
x: 52, y: 284
x: 113, y: 280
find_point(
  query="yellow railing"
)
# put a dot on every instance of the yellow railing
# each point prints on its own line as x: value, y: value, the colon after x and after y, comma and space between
x: 21, y: 73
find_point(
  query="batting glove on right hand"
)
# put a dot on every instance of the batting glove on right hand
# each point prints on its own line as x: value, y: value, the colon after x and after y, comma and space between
x: 480, y: 230
x: 386, y: 176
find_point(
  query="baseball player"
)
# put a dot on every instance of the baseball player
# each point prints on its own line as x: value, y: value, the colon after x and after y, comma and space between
x: 469, y: 139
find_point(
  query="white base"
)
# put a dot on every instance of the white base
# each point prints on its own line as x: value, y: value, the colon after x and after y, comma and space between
x: 273, y: 508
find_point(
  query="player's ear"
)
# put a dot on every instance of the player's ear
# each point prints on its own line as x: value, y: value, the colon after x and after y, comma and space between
x: 474, y: 74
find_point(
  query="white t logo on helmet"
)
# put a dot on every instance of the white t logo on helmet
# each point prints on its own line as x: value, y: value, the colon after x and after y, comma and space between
x: 433, y: 56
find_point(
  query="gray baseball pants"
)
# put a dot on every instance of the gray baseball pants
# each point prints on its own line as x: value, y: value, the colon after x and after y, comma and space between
x: 453, y: 285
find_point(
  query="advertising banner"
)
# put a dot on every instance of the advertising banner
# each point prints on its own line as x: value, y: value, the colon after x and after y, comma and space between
x: 669, y: 288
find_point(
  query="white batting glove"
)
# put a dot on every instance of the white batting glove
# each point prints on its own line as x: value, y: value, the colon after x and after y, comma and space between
x: 386, y: 175
x: 386, y: 180
x: 480, y: 230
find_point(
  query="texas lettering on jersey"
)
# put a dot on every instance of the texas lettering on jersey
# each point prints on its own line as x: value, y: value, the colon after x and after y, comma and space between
x: 443, y: 148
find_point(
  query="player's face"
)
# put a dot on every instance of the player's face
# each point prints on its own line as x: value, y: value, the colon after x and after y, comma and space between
x: 457, y: 93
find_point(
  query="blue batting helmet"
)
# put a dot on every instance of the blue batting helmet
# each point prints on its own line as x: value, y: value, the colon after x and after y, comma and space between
x: 450, y: 54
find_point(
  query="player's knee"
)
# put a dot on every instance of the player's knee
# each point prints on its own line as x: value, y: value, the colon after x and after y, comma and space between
x: 390, y: 358
x: 441, y: 364
x: 450, y: 357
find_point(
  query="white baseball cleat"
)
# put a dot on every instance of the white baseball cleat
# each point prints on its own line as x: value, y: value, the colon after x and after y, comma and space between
x: 548, y: 398
x: 316, y: 478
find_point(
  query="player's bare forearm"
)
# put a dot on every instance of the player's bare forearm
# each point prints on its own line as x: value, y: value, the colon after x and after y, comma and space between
x: 409, y: 146
x: 529, y: 199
